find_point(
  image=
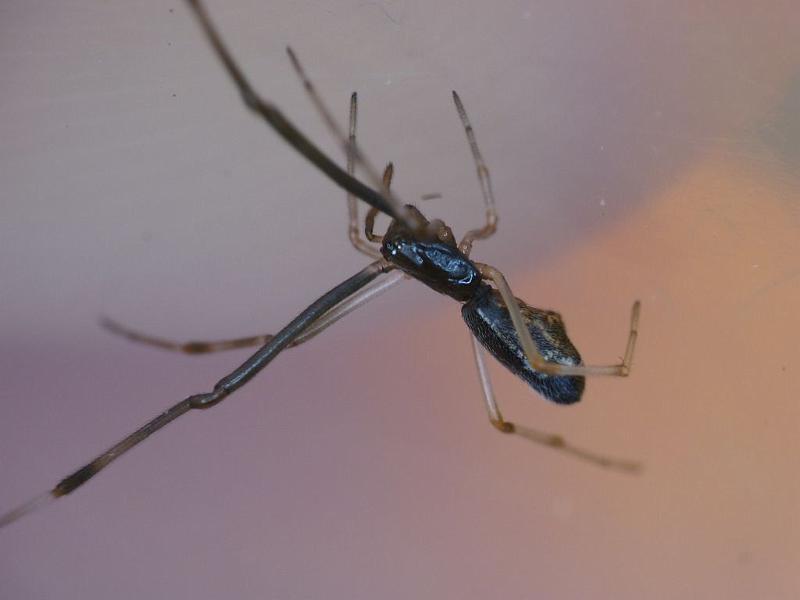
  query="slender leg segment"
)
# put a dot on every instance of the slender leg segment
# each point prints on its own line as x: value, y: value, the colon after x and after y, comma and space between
x: 192, y: 347
x: 275, y: 118
x: 369, y: 220
x: 223, y: 388
x: 352, y: 203
x: 205, y: 347
x: 369, y: 227
x: 539, y: 437
x: 535, y: 358
x: 349, y: 145
x: 486, y: 184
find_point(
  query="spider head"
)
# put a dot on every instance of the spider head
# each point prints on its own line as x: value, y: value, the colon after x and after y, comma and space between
x: 431, y: 257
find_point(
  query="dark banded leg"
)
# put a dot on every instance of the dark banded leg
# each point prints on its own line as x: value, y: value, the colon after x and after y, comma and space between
x: 223, y: 388
x: 348, y: 144
x: 275, y: 118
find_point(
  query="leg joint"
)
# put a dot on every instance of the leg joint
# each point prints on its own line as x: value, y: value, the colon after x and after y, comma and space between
x: 207, y: 400
x: 503, y: 426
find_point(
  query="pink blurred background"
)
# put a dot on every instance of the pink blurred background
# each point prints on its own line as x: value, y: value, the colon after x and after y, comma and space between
x: 638, y: 149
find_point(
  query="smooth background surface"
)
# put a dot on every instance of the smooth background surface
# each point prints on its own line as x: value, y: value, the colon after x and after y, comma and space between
x: 639, y: 150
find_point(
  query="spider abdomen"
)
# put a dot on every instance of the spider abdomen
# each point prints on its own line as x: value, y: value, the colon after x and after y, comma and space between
x: 488, y: 319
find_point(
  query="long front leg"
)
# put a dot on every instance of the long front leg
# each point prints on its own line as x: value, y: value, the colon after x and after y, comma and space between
x: 551, y: 440
x: 348, y: 144
x: 222, y: 389
x: 274, y: 117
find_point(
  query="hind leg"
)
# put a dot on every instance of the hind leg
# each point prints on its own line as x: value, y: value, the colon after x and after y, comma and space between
x: 550, y: 440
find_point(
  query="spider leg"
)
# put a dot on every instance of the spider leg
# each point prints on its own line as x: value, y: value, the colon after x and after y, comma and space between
x: 349, y: 145
x: 537, y: 361
x: 205, y: 347
x: 275, y: 118
x: 486, y: 184
x: 539, y: 437
x: 222, y: 389
x: 369, y: 220
x: 352, y: 204
x: 192, y: 347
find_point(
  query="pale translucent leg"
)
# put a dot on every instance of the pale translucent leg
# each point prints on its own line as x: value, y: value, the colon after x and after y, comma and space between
x: 486, y: 184
x: 535, y: 358
x: 539, y: 437
x: 352, y: 203
x: 369, y: 220
x: 435, y: 227
x: 28, y: 507
x: 204, y: 347
x: 431, y: 196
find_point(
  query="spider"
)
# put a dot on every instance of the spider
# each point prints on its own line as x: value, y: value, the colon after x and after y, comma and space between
x: 532, y: 343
